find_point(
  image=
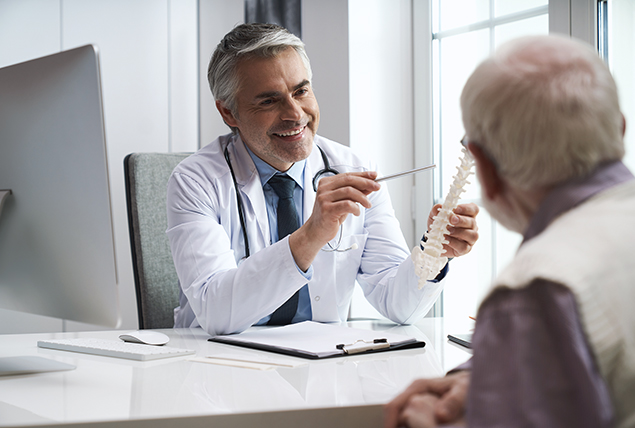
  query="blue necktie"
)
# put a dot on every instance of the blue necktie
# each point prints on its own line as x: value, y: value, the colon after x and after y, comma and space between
x: 288, y: 222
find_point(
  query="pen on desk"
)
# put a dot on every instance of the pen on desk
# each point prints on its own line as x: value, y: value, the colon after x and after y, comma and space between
x: 342, y: 345
x: 401, y: 174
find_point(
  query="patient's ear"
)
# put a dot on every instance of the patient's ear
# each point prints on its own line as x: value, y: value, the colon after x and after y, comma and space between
x: 486, y: 172
x: 227, y: 114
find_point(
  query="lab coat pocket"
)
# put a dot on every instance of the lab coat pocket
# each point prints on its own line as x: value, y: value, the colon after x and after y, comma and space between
x: 342, y: 261
x: 335, y: 271
x: 347, y: 257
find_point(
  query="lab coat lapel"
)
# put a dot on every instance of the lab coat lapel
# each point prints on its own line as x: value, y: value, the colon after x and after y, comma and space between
x: 253, y: 196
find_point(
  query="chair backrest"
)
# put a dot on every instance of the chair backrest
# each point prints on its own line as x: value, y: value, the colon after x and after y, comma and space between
x: 156, y: 282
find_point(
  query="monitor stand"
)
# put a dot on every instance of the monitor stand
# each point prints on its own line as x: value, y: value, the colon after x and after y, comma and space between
x: 3, y: 196
x: 26, y: 364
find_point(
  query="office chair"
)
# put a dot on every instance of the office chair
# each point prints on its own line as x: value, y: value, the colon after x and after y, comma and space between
x: 156, y: 282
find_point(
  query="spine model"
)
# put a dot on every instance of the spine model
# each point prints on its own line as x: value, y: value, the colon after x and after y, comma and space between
x: 429, y: 262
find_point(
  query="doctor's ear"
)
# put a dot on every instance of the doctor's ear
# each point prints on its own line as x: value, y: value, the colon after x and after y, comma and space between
x: 227, y: 115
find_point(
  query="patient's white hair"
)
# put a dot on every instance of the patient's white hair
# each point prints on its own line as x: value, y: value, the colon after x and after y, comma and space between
x: 545, y: 109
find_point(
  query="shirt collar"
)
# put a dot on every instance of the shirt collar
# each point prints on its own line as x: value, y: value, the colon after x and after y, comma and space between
x: 573, y: 192
x: 266, y: 171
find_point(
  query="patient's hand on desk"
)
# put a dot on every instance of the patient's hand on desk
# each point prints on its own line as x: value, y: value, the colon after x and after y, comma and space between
x: 430, y: 402
x: 419, y: 412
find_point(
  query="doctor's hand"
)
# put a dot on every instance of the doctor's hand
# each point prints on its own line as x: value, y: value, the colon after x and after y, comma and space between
x: 337, y: 196
x: 441, y: 400
x: 463, y: 230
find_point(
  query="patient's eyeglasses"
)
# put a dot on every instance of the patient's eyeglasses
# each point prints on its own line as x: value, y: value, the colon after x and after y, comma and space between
x: 464, y: 141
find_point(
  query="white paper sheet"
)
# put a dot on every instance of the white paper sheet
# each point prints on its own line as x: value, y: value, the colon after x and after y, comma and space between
x: 314, y: 340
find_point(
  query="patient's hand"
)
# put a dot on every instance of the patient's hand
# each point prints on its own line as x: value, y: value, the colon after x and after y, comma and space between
x: 429, y: 401
x: 419, y: 412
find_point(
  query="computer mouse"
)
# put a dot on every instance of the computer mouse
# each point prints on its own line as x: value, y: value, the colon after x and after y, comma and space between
x: 147, y: 337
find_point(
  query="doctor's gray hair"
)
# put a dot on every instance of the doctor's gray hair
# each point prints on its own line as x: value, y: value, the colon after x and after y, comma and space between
x: 545, y: 109
x: 248, y: 41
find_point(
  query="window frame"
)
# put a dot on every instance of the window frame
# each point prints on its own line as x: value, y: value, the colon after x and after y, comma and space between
x: 577, y: 18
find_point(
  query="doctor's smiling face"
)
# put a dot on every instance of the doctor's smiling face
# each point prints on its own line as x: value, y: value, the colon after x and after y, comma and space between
x: 276, y: 112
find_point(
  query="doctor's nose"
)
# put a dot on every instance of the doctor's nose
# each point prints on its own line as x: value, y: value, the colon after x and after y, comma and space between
x: 291, y: 110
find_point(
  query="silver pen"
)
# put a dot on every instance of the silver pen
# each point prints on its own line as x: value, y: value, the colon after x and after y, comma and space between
x: 400, y: 174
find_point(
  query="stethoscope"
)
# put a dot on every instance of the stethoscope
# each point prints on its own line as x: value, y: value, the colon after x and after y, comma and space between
x: 324, y: 172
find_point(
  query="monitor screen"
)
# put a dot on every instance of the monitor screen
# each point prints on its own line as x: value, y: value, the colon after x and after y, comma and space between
x: 57, y: 254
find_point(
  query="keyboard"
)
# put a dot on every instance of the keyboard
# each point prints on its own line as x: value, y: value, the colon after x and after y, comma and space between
x: 114, y: 348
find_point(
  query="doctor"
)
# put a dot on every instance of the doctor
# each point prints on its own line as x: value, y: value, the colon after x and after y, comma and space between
x: 237, y: 261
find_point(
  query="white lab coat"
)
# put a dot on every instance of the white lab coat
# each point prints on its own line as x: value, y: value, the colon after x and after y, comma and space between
x: 224, y: 294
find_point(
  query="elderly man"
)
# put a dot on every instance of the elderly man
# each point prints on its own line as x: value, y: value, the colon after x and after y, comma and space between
x: 555, y: 337
x: 259, y: 221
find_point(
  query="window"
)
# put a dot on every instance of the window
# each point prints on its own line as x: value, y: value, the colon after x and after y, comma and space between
x: 464, y: 33
x: 449, y: 38
x: 616, y: 39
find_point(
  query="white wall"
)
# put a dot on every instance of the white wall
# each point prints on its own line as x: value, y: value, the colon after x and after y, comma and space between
x: 622, y: 63
x: 381, y: 90
x: 217, y: 18
x: 325, y: 33
x: 382, y: 108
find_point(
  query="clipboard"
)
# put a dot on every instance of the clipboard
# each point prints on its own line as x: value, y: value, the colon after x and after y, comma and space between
x: 315, y: 340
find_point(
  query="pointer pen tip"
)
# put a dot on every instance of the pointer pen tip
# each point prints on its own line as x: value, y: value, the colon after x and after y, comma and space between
x: 404, y: 173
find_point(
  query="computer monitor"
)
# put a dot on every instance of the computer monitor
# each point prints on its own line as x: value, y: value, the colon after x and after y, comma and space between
x: 57, y: 254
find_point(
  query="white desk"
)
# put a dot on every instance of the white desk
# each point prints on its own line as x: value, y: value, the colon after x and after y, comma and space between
x: 105, y: 392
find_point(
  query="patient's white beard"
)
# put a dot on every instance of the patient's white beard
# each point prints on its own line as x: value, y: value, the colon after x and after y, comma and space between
x: 504, y: 214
